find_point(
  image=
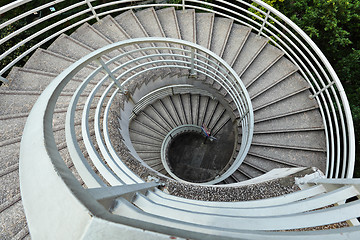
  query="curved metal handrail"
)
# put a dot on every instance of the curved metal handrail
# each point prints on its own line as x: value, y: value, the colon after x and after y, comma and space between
x: 55, y: 190
x: 117, y: 173
x: 270, y: 23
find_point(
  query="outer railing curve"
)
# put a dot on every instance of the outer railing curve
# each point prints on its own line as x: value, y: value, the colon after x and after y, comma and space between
x: 268, y: 22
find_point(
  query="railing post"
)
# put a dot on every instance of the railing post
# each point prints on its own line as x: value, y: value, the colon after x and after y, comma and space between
x: 111, y: 75
x: 4, y: 80
x: 92, y: 10
x: 243, y: 116
x: 183, y: 5
x: 192, y: 71
x: 265, y: 21
x: 106, y: 195
x: 321, y: 90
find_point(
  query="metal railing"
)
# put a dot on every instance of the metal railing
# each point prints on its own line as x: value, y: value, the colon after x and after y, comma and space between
x: 261, y: 18
x: 107, y: 202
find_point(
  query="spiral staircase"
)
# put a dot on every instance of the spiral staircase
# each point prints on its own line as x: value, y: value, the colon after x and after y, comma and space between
x: 267, y: 148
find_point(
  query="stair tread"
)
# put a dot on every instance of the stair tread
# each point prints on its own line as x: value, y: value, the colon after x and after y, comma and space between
x: 150, y: 22
x: 267, y: 164
x: 249, y: 52
x: 204, y: 23
x: 90, y: 36
x: 168, y: 20
x: 278, y: 72
x: 314, y: 139
x: 296, y: 157
x: 19, y: 80
x: 69, y: 47
x: 13, y: 221
x: 236, y: 41
x: 250, y: 171
x: 131, y: 24
x: 47, y: 61
x: 220, y: 34
x: 266, y: 58
x: 292, y: 104
x: 9, y: 155
x: 306, y: 120
x: 292, y: 84
x: 187, y: 24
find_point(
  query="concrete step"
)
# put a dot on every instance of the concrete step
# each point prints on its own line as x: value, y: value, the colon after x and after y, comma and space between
x: 278, y: 72
x: 151, y: 122
x: 177, y: 102
x: 219, y: 113
x: 187, y: 104
x: 161, y: 110
x: 144, y: 146
x: 13, y: 221
x: 150, y: 22
x: 267, y: 163
x: 253, y: 46
x: 203, y: 108
x: 292, y: 104
x: 169, y: 23
x: 19, y: 80
x: 134, y: 29
x: 187, y: 24
x: 251, y: 170
x: 94, y: 39
x: 72, y: 48
x: 221, y: 123
x: 69, y: 47
x: 195, y: 106
x: 309, y: 139
x: 305, y: 120
x: 145, y: 130
x: 47, y: 61
x: 220, y: 34
x: 237, y: 176
x: 236, y: 40
x: 114, y: 32
x: 155, y: 114
x: 169, y: 104
x: 291, y: 156
x: 204, y: 28
x: 289, y: 86
x: 264, y: 60
x: 210, y: 112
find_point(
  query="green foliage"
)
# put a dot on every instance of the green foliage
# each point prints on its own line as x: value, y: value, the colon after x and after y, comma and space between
x: 8, y: 44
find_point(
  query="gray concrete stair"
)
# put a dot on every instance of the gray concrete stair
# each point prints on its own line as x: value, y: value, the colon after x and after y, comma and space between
x: 149, y: 127
x: 220, y: 34
x: 251, y: 49
x: 237, y: 38
x: 187, y: 24
x: 288, y: 131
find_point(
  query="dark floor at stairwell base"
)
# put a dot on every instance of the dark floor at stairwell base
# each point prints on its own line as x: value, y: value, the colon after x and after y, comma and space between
x: 194, y: 158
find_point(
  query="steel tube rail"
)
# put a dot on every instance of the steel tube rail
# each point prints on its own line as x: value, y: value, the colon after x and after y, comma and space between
x: 300, y: 49
x: 239, y: 96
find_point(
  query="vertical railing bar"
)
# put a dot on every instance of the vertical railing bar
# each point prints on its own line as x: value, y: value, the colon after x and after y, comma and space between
x: 183, y: 5
x: 92, y: 10
x: 192, y: 71
x: 111, y: 75
x: 4, y: 80
x: 322, y: 90
x: 264, y: 22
